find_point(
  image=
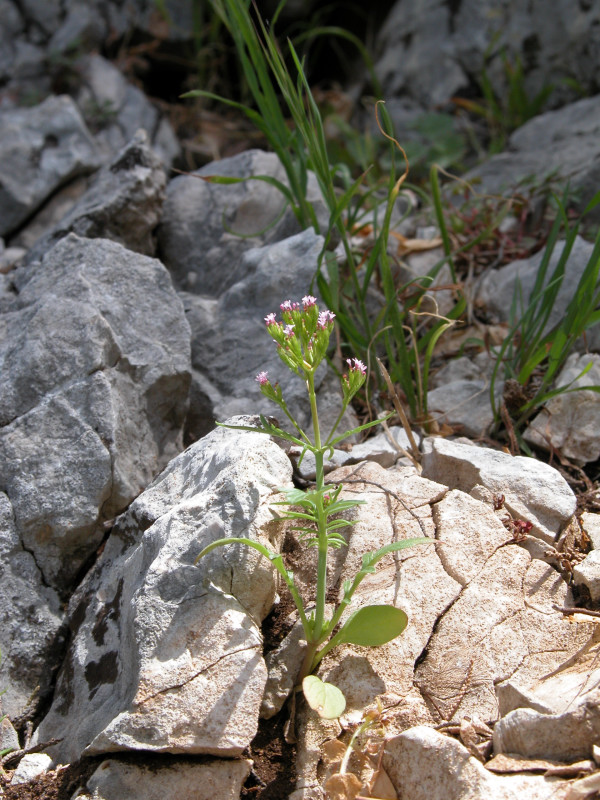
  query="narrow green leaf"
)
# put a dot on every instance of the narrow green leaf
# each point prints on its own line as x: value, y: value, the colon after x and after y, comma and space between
x: 324, y: 698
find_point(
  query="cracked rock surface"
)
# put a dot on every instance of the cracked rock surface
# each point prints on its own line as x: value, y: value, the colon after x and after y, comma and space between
x: 166, y: 656
x: 481, y: 613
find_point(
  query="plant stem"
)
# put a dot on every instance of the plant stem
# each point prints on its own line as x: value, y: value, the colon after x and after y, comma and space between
x: 321, y: 523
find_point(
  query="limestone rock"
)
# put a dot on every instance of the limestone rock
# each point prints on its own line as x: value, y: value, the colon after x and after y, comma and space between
x: 426, y: 765
x: 430, y: 52
x: 123, y: 202
x: 497, y: 288
x: 587, y: 573
x: 561, y: 143
x: 116, y: 110
x: 93, y: 394
x: 533, y: 490
x: 230, y: 345
x: 41, y: 148
x: 567, y: 736
x: 570, y: 422
x: 30, y: 766
x: 211, y: 780
x: 30, y: 622
x: 165, y: 655
x: 206, y: 227
x: 591, y: 525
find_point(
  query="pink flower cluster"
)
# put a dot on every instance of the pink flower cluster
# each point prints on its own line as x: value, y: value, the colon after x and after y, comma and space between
x: 263, y: 378
x: 325, y: 317
x: 355, y: 365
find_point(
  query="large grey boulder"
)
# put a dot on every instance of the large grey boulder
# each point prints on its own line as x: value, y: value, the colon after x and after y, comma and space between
x: 206, y: 227
x: 30, y: 622
x: 165, y: 655
x: 41, y: 148
x: 123, y: 202
x: 93, y: 395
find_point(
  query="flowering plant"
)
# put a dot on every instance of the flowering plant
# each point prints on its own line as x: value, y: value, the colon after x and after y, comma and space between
x: 302, y: 339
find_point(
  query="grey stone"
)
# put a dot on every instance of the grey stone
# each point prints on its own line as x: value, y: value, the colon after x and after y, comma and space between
x: 123, y: 202
x: 565, y: 736
x: 93, y: 394
x: 464, y: 405
x: 116, y: 110
x: 41, y: 149
x: 230, y: 345
x: 30, y: 766
x: 406, y: 41
x: 9, y: 739
x: 570, y: 423
x: 497, y: 289
x: 46, y: 14
x: 83, y: 27
x: 167, y: 656
x: 211, y: 780
x: 207, y: 227
x: 12, y: 26
x: 562, y: 145
x: 533, y: 491
x: 30, y: 623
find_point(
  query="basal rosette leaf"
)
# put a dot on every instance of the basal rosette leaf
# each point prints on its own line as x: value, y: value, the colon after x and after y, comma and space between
x: 324, y: 698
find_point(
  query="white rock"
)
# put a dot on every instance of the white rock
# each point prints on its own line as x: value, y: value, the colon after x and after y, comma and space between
x: 30, y: 766
x: 587, y: 573
x: 376, y: 448
x: 184, y: 780
x: 423, y: 764
x: 533, y: 491
x: 168, y: 655
x: 591, y: 525
x: 549, y: 695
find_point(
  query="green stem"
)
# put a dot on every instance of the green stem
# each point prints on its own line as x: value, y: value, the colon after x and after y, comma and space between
x: 321, y: 522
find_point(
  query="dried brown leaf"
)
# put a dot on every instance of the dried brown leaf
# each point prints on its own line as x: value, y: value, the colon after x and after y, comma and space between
x: 342, y: 787
x: 504, y: 763
x: 382, y: 788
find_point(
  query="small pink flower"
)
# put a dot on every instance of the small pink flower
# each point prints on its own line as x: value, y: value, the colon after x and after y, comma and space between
x: 287, y: 305
x: 325, y: 317
x: 263, y: 378
x: 289, y: 331
x: 308, y: 301
x: 270, y: 320
x: 356, y: 365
